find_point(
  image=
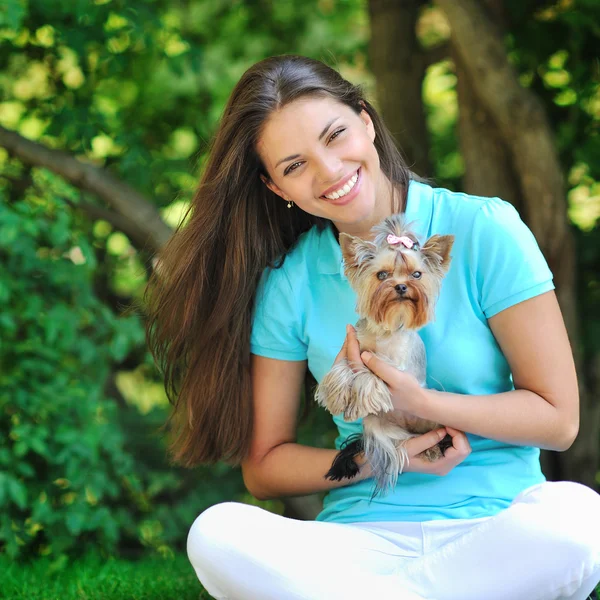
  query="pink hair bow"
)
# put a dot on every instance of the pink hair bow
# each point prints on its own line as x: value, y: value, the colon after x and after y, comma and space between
x: 405, y: 241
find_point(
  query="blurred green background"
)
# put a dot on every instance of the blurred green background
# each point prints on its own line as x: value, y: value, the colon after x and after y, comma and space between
x: 107, y: 108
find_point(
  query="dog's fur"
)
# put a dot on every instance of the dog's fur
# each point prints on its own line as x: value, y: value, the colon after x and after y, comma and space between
x: 393, y: 303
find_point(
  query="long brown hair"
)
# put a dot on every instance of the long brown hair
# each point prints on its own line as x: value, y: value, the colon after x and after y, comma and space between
x: 200, y: 299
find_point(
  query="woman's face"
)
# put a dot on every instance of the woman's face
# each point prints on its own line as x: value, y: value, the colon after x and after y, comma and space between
x: 320, y: 155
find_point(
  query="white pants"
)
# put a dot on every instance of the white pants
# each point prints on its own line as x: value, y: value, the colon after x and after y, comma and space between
x: 544, y: 546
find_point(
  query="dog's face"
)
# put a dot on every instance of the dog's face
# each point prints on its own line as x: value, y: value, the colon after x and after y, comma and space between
x: 396, y: 280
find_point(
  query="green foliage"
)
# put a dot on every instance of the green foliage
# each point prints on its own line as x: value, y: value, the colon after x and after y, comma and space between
x: 555, y: 49
x: 64, y: 473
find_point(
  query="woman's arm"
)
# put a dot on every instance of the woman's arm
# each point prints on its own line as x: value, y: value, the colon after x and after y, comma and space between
x: 277, y: 466
x: 542, y: 411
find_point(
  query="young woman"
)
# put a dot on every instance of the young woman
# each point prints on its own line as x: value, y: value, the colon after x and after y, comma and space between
x: 250, y: 294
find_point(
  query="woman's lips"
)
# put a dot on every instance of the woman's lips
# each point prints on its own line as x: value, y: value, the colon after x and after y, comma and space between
x: 350, y: 195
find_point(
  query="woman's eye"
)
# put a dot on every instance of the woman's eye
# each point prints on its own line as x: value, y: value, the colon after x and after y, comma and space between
x: 336, y: 134
x: 292, y: 167
x: 296, y: 165
x: 382, y: 275
x: 417, y: 275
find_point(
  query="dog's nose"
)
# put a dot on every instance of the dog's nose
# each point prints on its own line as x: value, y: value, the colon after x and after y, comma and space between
x: 402, y: 288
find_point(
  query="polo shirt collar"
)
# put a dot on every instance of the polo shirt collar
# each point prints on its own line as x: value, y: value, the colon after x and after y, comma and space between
x: 330, y: 253
x: 419, y: 209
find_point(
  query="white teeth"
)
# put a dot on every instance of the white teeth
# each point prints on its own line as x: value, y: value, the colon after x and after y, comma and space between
x: 344, y: 190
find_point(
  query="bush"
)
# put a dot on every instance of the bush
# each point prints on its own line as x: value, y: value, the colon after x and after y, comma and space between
x: 65, y: 476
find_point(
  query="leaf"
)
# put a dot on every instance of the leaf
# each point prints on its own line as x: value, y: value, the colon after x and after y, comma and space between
x: 17, y: 492
x: 4, y: 293
x: 8, y: 234
x: 7, y: 322
x: 20, y: 448
x: 38, y: 445
x: 74, y: 522
x: 119, y: 346
x: 12, y: 13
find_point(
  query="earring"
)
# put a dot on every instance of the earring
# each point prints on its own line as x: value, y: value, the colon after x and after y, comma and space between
x: 290, y: 204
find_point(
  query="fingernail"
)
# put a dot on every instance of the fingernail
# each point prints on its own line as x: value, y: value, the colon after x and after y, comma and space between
x: 366, y: 356
x: 348, y: 328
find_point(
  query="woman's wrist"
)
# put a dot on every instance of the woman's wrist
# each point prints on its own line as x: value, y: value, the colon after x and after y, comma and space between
x: 417, y: 401
x: 426, y: 404
x: 364, y: 468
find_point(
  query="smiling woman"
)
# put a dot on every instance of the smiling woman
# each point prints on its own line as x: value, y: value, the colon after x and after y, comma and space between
x: 251, y: 293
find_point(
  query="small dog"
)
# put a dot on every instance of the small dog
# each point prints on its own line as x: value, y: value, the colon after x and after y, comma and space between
x: 397, y: 283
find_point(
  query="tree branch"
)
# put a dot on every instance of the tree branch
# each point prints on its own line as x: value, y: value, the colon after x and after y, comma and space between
x: 141, y: 219
x: 119, y: 222
x: 520, y: 118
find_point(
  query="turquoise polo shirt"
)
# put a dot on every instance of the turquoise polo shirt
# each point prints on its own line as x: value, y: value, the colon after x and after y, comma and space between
x: 303, y: 307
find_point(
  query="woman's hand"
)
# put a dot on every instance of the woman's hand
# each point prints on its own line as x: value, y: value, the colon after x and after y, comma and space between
x: 453, y: 456
x: 350, y: 350
x: 407, y: 394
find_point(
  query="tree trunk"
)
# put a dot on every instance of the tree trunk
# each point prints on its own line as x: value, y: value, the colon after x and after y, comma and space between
x: 522, y: 138
x: 488, y: 165
x: 399, y: 64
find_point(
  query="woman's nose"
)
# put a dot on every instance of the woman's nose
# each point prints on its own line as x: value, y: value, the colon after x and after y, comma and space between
x: 331, y: 169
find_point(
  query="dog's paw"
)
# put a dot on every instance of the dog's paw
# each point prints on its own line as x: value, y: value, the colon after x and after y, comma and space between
x: 333, y: 393
x: 432, y: 454
x: 369, y: 396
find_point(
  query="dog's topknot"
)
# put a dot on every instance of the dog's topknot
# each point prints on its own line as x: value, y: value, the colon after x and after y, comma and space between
x: 396, y: 225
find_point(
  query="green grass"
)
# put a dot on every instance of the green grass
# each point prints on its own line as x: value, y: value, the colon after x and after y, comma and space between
x: 95, y: 578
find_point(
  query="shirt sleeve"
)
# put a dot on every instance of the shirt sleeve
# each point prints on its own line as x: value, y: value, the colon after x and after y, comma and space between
x: 506, y: 261
x: 276, y: 325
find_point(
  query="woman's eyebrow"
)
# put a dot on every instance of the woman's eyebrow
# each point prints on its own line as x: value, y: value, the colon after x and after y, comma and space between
x: 325, y: 129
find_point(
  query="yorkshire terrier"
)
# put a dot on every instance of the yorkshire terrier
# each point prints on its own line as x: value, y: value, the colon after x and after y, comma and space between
x: 397, y: 282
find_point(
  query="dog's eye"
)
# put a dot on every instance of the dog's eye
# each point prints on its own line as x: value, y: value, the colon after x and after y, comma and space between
x: 382, y: 275
x: 417, y: 275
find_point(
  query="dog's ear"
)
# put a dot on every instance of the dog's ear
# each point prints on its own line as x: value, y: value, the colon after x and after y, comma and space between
x: 356, y: 252
x: 436, y: 252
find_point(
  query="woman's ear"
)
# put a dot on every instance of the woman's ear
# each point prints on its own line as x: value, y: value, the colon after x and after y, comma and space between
x: 366, y: 119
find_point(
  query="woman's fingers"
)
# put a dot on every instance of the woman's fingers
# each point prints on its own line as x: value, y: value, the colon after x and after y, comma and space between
x: 353, y: 348
x: 350, y: 350
x: 343, y: 353
x: 421, y: 443
x: 453, y: 456
x: 460, y: 443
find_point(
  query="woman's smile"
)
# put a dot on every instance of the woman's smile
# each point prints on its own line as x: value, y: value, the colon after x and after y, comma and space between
x: 346, y: 191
